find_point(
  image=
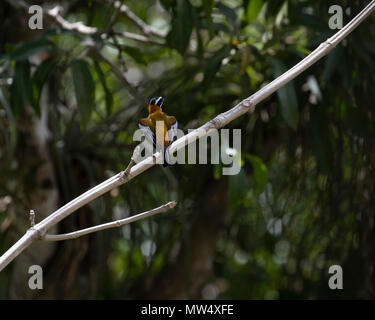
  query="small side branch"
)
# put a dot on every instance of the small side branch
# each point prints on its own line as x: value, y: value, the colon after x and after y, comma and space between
x: 124, y: 174
x: 140, y: 38
x: 119, y: 74
x: 32, y: 218
x: 77, y: 26
x: 114, y: 224
x: 142, y: 26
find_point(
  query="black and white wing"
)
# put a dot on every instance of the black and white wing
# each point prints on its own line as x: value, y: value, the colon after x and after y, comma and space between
x: 172, y: 132
x: 150, y: 138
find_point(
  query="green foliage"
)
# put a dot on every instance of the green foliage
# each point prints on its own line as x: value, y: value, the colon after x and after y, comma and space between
x: 182, y: 25
x: 301, y: 202
x: 84, y: 88
x: 213, y: 65
x: 108, y: 94
x: 287, y: 96
x: 260, y: 172
x: 31, y: 48
x: 21, y: 87
x: 40, y: 76
x: 253, y: 9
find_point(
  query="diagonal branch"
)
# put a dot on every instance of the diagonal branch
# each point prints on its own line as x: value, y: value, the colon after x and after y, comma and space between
x: 142, y: 26
x: 247, y: 105
x: 119, y: 74
x: 113, y: 224
x: 140, y: 38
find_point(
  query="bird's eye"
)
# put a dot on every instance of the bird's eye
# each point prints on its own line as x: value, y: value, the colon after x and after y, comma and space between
x: 153, y: 101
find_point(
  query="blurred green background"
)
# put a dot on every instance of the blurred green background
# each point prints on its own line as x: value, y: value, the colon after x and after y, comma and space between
x: 303, y: 201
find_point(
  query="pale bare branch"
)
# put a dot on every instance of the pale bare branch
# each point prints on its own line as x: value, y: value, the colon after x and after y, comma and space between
x: 55, y: 14
x: 77, y: 26
x: 113, y: 224
x: 124, y: 174
x: 32, y: 218
x: 140, y: 38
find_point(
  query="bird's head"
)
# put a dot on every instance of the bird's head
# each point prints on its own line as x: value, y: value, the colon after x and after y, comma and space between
x: 155, y: 104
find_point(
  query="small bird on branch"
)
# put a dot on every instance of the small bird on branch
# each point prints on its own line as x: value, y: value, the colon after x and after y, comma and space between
x: 159, y: 129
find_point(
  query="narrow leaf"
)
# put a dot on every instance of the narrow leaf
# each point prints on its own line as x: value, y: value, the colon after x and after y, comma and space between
x: 287, y: 96
x: 332, y: 62
x: 260, y: 172
x: 21, y: 87
x: 108, y: 94
x: 31, y: 48
x: 136, y: 54
x: 237, y: 188
x: 167, y: 4
x: 41, y: 75
x: 213, y: 65
x: 84, y: 88
x: 182, y: 26
x: 253, y: 10
x: 207, y: 7
x: 227, y: 11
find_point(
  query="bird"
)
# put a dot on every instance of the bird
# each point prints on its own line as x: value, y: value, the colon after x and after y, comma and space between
x: 160, y: 139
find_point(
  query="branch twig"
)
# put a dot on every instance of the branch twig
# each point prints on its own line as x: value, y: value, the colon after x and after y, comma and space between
x: 77, y: 26
x: 247, y: 105
x: 113, y: 224
x: 142, y: 26
x: 81, y: 28
x: 32, y: 218
x: 140, y: 38
x: 119, y: 74
x: 55, y: 14
x: 124, y: 174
